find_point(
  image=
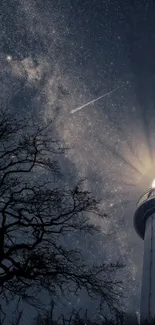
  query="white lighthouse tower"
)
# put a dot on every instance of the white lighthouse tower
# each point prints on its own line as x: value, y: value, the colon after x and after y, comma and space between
x: 144, y: 223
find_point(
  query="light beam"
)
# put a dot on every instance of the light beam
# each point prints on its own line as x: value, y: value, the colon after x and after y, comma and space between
x: 153, y: 184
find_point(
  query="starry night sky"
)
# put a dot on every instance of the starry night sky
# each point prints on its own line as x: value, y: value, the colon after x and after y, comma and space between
x: 58, y: 55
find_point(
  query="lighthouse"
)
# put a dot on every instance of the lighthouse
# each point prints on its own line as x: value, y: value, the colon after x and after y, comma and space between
x: 144, y: 224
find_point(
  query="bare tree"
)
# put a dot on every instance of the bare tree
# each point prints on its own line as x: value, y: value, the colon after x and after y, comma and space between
x: 76, y: 318
x: 36, y: 216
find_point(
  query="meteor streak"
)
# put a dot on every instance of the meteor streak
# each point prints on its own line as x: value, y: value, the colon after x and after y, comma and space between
x: 92, y: 101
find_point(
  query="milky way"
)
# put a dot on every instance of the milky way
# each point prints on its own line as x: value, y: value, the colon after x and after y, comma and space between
x: 55, y: 57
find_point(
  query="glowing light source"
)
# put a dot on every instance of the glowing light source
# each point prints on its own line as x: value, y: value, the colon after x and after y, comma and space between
x: 9, y: 58
x: 153, y: 184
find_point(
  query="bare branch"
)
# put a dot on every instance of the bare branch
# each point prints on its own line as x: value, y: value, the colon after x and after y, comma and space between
x: 37, y: 215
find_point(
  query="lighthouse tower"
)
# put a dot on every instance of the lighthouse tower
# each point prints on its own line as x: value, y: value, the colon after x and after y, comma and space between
x: 144, y: 223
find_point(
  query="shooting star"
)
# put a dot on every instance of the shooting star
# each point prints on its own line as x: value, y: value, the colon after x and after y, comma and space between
x: 93, y: 101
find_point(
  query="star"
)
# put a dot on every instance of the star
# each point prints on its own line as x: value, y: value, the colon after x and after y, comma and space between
x: 9, y: 58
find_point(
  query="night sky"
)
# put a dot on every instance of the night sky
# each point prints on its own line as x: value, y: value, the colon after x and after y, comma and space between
x: 55, y: 56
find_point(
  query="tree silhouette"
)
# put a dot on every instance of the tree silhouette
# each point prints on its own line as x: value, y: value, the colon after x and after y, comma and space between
x: 37, y: 213
x: 76, y: 318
